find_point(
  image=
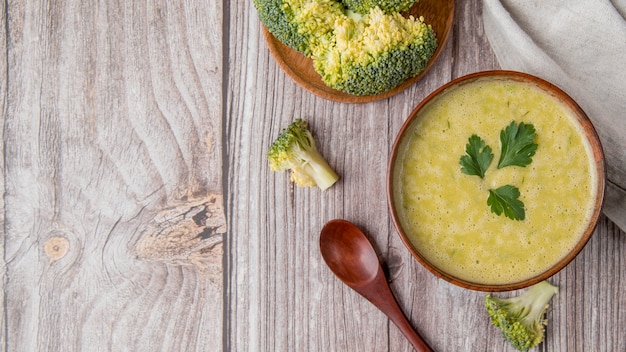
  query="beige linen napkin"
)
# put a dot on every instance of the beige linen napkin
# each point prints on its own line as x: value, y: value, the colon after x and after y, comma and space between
x: 580, y: 46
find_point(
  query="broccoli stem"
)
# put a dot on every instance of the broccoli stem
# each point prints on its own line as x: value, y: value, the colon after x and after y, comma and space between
x: 536, y: 298
x: 316, y: 166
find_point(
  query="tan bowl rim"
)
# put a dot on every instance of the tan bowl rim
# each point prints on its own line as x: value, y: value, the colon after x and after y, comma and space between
x: 598, y: 154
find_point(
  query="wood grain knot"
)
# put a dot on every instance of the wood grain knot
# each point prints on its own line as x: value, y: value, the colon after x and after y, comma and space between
x: 191, y: 232
x: 56, y: 248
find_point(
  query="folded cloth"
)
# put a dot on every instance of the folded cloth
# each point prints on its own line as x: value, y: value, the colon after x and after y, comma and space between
x: 580, y: 46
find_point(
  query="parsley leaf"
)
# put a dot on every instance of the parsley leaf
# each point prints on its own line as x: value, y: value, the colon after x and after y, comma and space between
x: 505, y: 200
x: 518, y: 145
x: 478, y: 158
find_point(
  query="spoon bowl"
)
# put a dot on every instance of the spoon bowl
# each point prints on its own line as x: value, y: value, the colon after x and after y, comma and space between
x: 351, y: 257
x: 347, y: 254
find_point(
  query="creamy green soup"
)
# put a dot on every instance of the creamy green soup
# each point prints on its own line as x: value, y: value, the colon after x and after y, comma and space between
x: 444, y: 212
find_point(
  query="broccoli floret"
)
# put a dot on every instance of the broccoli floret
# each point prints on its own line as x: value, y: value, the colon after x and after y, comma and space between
x: 299, y: 23
x: 279, y: 21
x: 358, y: 54
x: 374, y: 53
x: 295, y: 150
x: 521, y: 318
x: 388, y: 6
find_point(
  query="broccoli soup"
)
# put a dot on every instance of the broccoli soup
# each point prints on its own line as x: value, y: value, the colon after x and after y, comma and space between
x: 494, y: 181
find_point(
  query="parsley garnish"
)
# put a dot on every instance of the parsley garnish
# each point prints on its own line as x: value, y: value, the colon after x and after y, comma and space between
x: 505, y: 200
x: 518, y: 145
x: 478, y: 157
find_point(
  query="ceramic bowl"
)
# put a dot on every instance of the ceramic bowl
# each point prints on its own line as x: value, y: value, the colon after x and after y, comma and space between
x: 403, y: 196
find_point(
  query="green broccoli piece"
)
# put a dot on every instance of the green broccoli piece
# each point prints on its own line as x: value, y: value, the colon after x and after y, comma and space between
x: 295, y: 150
x: 388, y: 6
x: 521, y: 318
x: 360, y: 54
x: 374, y: 53
x: 299, y: 23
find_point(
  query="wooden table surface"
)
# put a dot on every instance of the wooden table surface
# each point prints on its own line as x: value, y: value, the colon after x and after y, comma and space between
x: 139, y: 212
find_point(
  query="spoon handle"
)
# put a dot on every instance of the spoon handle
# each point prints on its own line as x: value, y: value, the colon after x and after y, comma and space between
x: 384, y: 300
x: 407, y: 330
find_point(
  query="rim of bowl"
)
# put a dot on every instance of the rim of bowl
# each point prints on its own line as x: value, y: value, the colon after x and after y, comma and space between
x: 598, y: 155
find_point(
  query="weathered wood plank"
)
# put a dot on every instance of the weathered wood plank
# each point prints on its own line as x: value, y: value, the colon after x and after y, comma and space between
x: 3, y: 107
x: 423, y: 296
x: 588, y: 312
x: 281, y: 296
x: 113, y: 176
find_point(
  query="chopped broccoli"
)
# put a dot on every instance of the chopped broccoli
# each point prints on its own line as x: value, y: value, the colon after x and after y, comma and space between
x: 280, y: 23
x: 521, y: 318
x: 388, y: 6
x: 299, y: 23
x: 374, y: 53
x: 360, y: 54
x: 295, y: 150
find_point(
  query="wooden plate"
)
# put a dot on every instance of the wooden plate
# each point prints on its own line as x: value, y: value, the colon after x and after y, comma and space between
x: 438, y: 13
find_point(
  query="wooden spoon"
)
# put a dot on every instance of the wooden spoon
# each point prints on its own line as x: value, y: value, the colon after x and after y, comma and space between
x: 350, y: 255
